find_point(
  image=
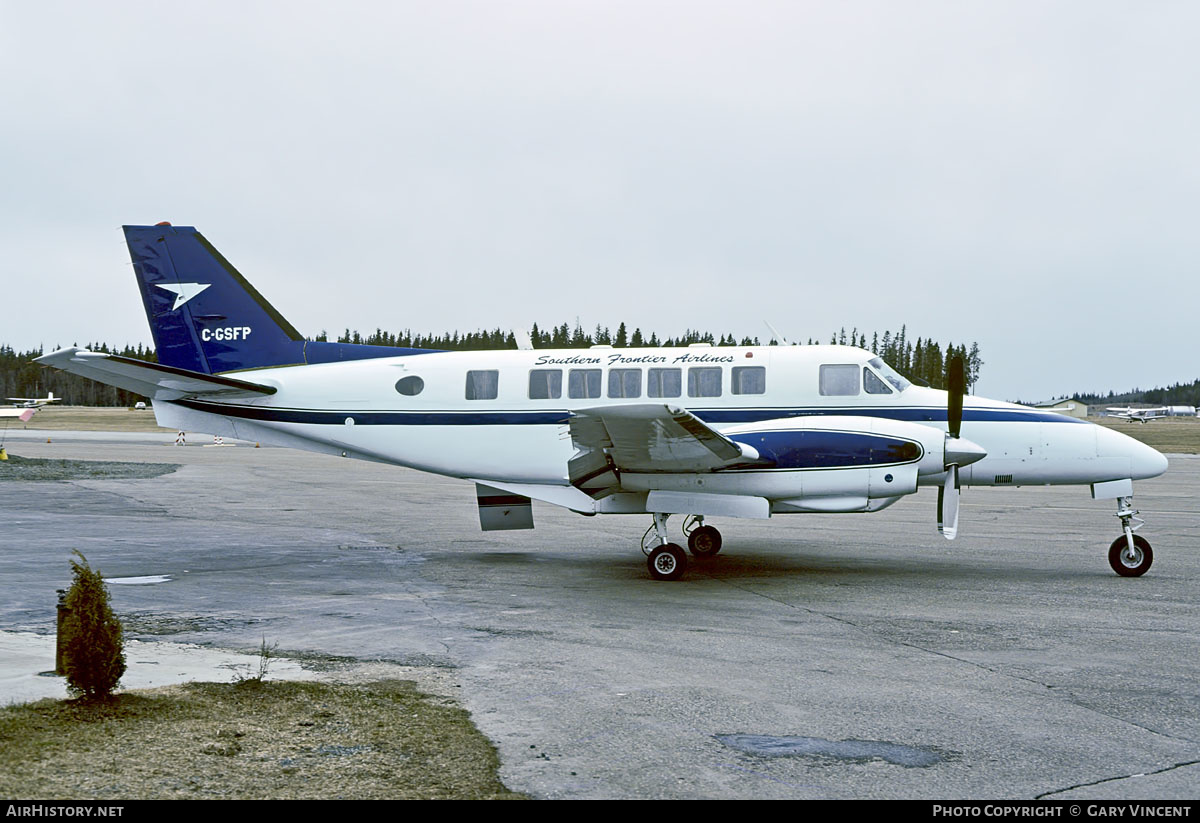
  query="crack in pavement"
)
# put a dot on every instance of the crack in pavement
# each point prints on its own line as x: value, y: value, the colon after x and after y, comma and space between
x: 1001, y: 673
x: 1114, y: 779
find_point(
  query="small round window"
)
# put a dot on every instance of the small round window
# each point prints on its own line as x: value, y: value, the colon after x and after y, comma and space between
x: 410, y: 386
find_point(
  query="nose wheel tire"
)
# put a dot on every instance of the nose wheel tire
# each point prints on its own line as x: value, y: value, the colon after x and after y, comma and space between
x: 1128, y: 563
x: 667, y: 562
x: 704, y: 541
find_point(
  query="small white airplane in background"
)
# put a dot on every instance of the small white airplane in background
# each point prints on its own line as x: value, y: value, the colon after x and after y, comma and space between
x: 701, y: 431
x: 34, y: 402
x: 1137, y: 415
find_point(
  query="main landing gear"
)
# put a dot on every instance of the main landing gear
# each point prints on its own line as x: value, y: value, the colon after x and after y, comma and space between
x: 703, y: 541
x: 1129, y: 555
x: 667, y: 560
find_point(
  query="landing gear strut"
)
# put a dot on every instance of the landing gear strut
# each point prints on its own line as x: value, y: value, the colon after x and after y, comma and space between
x: 666, y: 561
x: 1129, y: 555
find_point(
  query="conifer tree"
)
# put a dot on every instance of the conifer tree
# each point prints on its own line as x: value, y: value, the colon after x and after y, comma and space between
x: 93, y: 640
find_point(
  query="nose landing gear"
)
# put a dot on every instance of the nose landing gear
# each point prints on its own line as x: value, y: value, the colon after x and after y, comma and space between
x: 1129, y: 555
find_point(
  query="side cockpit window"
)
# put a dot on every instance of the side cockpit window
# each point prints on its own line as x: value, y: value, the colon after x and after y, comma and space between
x: 898, y: 381
x: 839, y: 380
x: 872, y: 384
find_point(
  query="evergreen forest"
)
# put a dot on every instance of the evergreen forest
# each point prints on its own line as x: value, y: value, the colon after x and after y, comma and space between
x: 922, y: 360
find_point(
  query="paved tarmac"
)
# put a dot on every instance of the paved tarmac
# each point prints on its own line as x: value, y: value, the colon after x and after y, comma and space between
x: 818, y: 656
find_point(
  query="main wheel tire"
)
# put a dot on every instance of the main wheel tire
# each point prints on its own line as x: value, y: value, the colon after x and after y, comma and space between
x: 667, y: 562
x: 704, y: 541
x: 1130, y: 564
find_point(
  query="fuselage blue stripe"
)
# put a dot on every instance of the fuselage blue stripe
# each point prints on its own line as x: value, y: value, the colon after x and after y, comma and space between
x: 559, y: 416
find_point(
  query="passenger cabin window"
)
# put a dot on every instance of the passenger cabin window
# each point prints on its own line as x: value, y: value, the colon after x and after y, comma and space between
x: 749, y: 380
x: 545, y: 384
x: 410, y: 386
x: 583, y: 383
x: 839, y: 381
x: 704, y: 381
x: 483, y: 384
x: 624, y: 382
x: 664, y: 383
x: 872, y: 384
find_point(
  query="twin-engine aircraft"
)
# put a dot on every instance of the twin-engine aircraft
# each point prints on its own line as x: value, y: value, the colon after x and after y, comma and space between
x: 701, y: 431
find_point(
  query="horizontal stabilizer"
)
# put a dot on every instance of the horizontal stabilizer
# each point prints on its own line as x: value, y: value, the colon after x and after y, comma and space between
x: 152, y: 380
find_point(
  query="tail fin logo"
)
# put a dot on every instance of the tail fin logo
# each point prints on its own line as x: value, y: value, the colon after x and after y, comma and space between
x: 183, y: 291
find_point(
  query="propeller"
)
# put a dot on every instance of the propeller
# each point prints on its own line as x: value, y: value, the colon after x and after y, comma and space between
x: 956, y: 387
x: 958, y: 452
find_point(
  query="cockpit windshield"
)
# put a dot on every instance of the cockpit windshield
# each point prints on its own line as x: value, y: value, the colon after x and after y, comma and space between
x: 889, y: 374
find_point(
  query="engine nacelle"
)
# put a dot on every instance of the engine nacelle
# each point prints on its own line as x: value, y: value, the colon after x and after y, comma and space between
x: 817, y: 464
x: 842, y: 464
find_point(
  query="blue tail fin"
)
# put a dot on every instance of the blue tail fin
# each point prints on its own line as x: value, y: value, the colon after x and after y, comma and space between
x: 206, y: 317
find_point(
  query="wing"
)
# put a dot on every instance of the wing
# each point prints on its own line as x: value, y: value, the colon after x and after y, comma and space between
x: 646, y: 437
x: 149, y: 379
x: 22, y: 414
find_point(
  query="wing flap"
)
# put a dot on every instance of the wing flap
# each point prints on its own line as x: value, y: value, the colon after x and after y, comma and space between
x: 653, y: 437
x: 152, y: 380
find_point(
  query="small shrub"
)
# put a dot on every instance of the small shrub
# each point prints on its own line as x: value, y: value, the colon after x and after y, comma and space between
x: 247, y: 674
x: 93, y: 641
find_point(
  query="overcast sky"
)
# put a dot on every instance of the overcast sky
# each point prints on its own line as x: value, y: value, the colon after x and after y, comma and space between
x: 1025, y: 175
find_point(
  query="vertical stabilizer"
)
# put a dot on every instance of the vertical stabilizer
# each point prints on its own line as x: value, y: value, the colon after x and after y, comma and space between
x: 204, y: 315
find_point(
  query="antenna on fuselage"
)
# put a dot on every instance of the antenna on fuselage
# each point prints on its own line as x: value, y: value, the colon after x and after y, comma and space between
x: 775, y: 333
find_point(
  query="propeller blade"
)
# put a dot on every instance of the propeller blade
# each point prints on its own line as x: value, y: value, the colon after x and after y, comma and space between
x: 948, y: 505
x: 958, y: 451
x: 956, y: 387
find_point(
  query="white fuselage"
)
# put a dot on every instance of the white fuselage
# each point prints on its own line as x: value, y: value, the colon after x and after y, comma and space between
x: 503, y: 415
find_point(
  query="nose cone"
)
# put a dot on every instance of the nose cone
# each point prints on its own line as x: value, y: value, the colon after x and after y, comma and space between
x: 1143, y: 461
x: 1147, y: 462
